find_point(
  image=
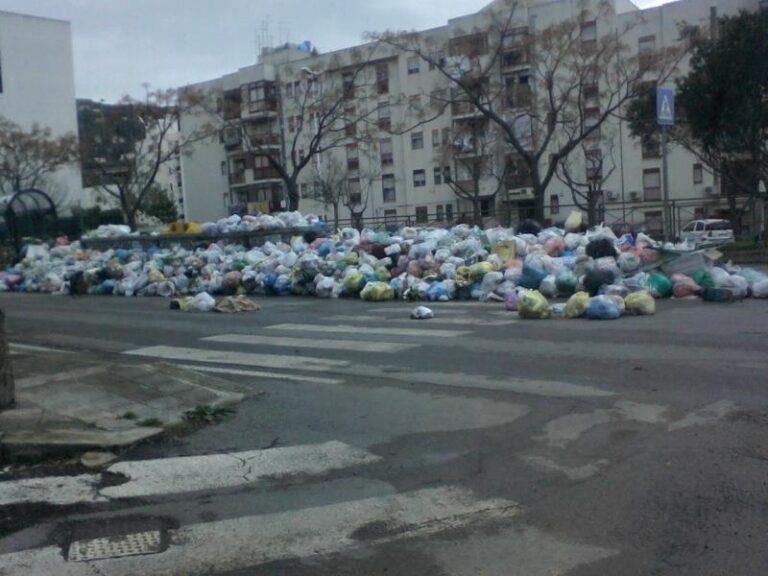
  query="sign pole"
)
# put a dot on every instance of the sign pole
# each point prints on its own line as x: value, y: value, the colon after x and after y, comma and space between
x: 665, y: 117
x: 668, y: 228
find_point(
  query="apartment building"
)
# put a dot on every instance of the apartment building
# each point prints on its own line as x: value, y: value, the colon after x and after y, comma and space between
x: 396, y: 173
x: 37, y: 86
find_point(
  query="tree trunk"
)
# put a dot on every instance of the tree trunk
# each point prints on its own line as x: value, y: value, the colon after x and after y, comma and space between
x: 7, y: 386
x: 335, y: 215
x: 539, y: 198
x: 130, y: 218
x: 293, y: 195
x: 476, y: 217
x: 734, y: 215
x: 592, y: 210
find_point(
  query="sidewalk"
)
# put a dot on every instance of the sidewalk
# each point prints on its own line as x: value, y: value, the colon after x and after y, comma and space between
x: 68, y: 402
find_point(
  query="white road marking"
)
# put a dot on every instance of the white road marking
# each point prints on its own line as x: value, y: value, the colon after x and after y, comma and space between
x: 57, y: 490
x: 706, y: 415
x: 187, y: 474
x: 572, y: 472
x: 262, y: 374
x: 31, y: 348
x: 240, y: 543
x: 560, y: 431
x: 240, y: 358
x: 549, y: 388
x: 369, y: 330
x: 216, y: 471
x: 322, y: 344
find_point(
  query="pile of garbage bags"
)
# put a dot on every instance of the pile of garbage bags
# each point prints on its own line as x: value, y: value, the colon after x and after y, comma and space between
x: 596, y: 272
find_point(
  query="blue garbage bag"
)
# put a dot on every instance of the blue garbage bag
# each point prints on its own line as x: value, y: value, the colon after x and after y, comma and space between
x: 603, y: 308
x: 532, y: 277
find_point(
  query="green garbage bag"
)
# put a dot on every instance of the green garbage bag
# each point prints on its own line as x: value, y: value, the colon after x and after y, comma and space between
x: 577, y: 305
x: 704, y: 279
x: 533, y: 305
x: 659, y: 285
x: 640, y: 303
x: 354, y: 282
x: 377, y: 292
x: 566, y: 283
x: 382, y: 274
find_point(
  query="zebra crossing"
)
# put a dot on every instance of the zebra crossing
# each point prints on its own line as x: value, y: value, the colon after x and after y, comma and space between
x: 246, y: 540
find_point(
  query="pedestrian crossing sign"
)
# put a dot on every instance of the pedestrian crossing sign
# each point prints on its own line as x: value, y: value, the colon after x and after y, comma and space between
x: 665, y: 107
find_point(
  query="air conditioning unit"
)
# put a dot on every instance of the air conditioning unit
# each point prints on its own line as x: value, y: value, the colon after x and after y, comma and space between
x: 634, y: 196
x: 709, y: 191
x: 610, y: 196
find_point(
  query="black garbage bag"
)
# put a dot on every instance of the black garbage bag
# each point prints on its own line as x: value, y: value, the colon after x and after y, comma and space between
x: 601, y: 247
x: 529, y: 227
x: 594, y: 278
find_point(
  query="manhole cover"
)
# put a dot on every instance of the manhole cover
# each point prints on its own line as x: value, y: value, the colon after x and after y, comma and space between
x: 134, y: 544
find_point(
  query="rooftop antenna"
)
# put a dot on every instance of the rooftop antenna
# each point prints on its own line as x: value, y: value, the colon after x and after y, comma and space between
x: 263, y: 37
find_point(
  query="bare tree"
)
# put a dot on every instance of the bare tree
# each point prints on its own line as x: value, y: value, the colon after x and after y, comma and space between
x: 329, y: 106
x: 475, y: 151
x: 587, y: 182
x: 140, y: 136
x: 29, y: 157
x: 335, y: 185
x: 548, y: 90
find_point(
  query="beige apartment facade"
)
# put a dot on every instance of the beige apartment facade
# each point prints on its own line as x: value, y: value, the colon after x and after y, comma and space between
x: 395, y: 160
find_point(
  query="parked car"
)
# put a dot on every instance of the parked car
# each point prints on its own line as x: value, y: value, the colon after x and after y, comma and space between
x: 708, y: 231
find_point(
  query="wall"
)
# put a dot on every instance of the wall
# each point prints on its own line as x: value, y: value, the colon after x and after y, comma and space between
x: 38, y: 84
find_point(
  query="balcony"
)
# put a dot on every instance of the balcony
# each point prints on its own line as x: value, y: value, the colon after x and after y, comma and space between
x: 268, y: 140
x: 461, y: 110
x: 267, y: 173
x: 266, y: 108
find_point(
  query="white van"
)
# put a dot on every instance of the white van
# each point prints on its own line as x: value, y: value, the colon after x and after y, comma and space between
x: 709, y: 231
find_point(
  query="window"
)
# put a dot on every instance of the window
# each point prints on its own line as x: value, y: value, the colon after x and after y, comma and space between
x: 223, y: 168
x: 436, y: 138
x: 438, y: 175
x: 385, y: 116
x: 419, y: 178
x: 388, y: 188
x: 291, y: 124
x: 698, y: 174
x: 652, y: 184
x: 302, y: 155
x: 591, y: 93
x: 554, y: 204
x: 646, y: 47
x: 471, y: 46
x: 446, y: 136
x: 417, y: 140
x: 654, y: 223
x: 591, y: 118
x: 447, y: 174
x: 437, y: 59
x: 382, y: 78
x: 422, y: 215
x: 385, y: 151
x: 304, y: 190
x: 353, y: 157
x: 390, y: 217
x: 413, y: 65
x: 440, y: 215
x: 348, y: 84
x: 651, y: 145
x: 350, y: 129
x: 589, y: 35
x: 355, y: 195
x: 593, y: 165
x: 289, y: 90
x: 448, y: 212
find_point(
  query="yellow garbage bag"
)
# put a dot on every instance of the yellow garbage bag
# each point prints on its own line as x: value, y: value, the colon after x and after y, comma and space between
x: 532, y: 305
x: 576, y: 305
x: 640, y: 303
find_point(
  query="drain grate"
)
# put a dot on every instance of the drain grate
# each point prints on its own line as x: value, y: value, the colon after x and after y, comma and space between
x: 134, y: 544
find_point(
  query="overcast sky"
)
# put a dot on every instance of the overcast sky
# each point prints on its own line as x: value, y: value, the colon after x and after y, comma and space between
x: 120, y: 44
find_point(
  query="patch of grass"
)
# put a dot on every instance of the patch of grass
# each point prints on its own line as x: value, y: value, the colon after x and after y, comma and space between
x: 151, y: 423
x: 129, y: 416
x: 205, y: 414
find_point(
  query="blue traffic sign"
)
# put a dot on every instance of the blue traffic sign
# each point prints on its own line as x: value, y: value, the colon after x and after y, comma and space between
x: 665, y: 107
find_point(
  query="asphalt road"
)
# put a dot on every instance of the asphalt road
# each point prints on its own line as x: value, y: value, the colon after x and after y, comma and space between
x: 493, y: 446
